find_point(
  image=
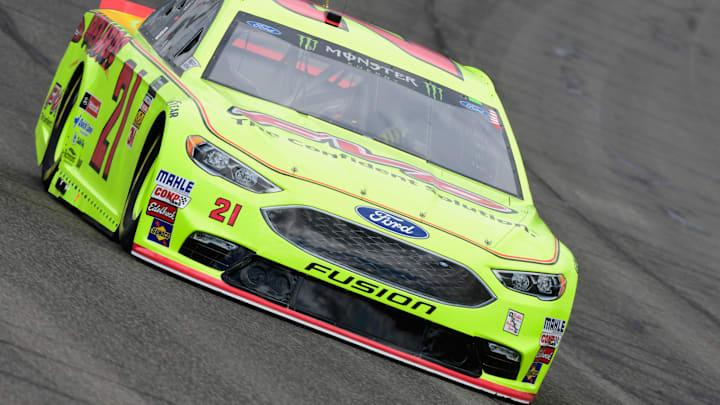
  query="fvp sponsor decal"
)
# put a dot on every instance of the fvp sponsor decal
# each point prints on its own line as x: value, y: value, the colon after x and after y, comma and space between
x: 553, y: 330
x: 103, y: 40
x: 361, y: 152
x: 170, y: 196
x: 175, y: 182
x: 162, y: 210
x: 91, y: 104
x: 513, y: 322
x: 532, y: 373
x: 392, y: 223
x: 160, y: 232
x: 263, y: 27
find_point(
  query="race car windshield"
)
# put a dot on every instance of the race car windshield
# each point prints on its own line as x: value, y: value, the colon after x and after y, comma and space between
x: 364, y: 95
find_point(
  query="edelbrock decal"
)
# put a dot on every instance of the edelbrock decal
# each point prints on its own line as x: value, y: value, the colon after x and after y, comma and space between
x: 263, y: 27
x: 391, y: 222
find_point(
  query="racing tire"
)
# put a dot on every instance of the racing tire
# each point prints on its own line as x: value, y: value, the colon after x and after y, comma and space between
x: 131, y: 216
x: 50, y: 163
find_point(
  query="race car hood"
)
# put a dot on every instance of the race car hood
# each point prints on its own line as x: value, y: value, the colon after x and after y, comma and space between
x: 308, y: 148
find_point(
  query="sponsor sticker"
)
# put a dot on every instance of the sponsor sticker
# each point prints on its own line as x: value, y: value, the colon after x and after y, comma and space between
x: 533, y: 373
x: 171, y: 197
x: 140, y: 117
x: 544, y: 355
x: 78, y: 140
x: 69, y: 155
x: 553, y: 330
x: 513, y: 322
x: 391, y: 222
x: 79, y: 31
x: 474, y: 107
x: 83, y: 126
x: 54, y: 98
x: 160, y: 232
x: 174, y: 107
x: 175, y: 182
x: 553, y: 325
x: 103, y: 41
x: 158, y: 83
x: 131, y: 136
x: 91, y: 104
x: 189, y: 64
x: 162, y: 210
x: 549, y: 340
x: 263, y: 27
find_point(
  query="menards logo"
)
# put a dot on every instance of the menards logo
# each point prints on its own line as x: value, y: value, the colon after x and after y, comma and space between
x: 362, y: 153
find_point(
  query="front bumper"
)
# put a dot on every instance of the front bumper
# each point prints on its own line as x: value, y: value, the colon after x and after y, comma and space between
x: 470, y: 327
x: 314, y: 322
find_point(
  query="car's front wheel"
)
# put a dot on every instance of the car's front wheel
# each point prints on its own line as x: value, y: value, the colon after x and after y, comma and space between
x: 139, y: 186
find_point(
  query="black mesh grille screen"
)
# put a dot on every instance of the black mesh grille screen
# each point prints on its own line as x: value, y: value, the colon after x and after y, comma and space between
x: 378, y: 256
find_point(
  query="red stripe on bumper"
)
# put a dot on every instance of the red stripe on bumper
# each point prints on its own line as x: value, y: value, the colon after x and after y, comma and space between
x: 219, y: 285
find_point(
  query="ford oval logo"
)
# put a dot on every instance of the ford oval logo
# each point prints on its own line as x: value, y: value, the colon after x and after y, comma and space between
x: 473, y: 107
x: 392, y: 223
x: 263, y: 27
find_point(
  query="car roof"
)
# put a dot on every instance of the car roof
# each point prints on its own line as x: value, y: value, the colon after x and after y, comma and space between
x: 372, y: 41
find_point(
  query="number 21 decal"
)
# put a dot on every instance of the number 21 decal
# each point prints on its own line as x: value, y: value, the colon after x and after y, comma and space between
x: 122, y: 86
x: 217, y: 214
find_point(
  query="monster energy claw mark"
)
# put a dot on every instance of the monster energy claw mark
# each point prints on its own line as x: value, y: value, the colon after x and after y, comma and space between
x: 307, y: 43
x: 434, y: 91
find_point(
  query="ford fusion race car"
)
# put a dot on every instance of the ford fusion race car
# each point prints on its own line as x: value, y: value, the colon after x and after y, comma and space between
x: 318, y: 167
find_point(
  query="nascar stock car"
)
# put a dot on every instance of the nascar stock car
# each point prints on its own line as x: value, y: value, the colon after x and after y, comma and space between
x: 318, y: 167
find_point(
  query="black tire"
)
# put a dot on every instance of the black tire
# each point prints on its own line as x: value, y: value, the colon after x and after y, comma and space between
x: 49, y: 164
x: 128, y: 223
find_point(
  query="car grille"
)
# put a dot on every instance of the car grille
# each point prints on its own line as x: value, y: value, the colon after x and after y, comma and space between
x: 378, y: 256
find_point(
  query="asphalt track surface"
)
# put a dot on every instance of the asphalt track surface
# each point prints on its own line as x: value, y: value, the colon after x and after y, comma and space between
x: 615, y: 106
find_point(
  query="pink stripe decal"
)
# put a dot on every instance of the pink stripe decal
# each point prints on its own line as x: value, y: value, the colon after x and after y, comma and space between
x: 365, y: 154
x: 333, y: 330
x: 310, y: 10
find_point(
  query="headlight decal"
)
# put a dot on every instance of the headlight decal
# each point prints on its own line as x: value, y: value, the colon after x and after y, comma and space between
x: 546, y: 287
x: 219, y: 163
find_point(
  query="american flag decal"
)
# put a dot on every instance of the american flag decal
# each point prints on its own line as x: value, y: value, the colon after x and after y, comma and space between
x: 495, y: 120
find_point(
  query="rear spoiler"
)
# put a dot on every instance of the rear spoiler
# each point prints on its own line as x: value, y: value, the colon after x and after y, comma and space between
x: 128, y: 7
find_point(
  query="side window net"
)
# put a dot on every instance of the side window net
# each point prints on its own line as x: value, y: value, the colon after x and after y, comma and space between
x: 175, y: 29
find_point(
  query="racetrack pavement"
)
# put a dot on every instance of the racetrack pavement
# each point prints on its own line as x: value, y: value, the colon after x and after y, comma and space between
x: 615, y: 107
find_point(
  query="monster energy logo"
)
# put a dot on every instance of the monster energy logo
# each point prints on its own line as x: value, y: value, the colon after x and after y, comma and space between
x: 434, y: 91
x: 307, y: 43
